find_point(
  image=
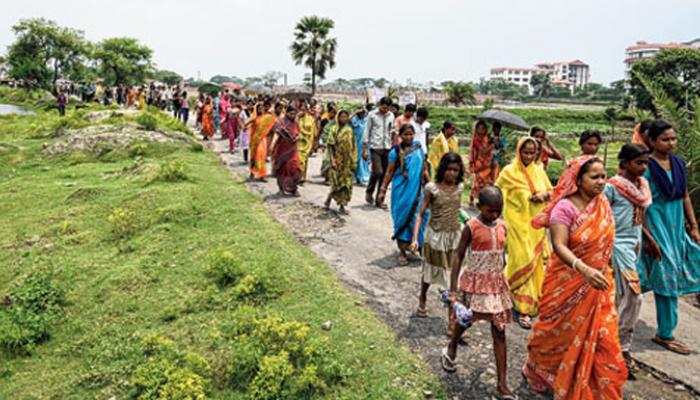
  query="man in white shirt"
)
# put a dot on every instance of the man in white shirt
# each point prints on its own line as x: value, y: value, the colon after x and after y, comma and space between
x: 377, y: 141
x: 422, y: 128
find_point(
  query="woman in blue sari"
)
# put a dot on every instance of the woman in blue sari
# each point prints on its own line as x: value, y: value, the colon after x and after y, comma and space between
x: 407, y: 171
x: 358, y: 122
x: 670, y: 265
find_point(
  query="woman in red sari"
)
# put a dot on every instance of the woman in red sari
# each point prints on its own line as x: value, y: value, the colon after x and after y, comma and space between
x: 480, y: 160
x: 574, y: 350
x: 287, y: 164
x: 260, y: 125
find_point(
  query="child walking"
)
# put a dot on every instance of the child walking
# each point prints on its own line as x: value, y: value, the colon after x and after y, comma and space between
x: 482, y: 285
x: 442, y: 197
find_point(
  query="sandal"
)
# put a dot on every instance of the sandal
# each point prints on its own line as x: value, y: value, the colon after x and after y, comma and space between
x: 672, y: 345
x: 403, y: 261
x: 382, y: 206
x: 507, y: 396
x: 525, y: 321
x: 421, y: 312
x: 447, y: 363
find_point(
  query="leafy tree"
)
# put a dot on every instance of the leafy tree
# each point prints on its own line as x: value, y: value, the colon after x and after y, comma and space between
x: 220, y: 79
x: 123, y: 60
x: 460, y: 93
x: 559, y: 91
x: 501, y: 88
x: 541, y: 85
x: 170, y: 78
x: 686, y: 124
x: 313, y: 47
x: 271, y: 78
x: 44, y: 52
x: 3, y: 65
x: 675, y: 71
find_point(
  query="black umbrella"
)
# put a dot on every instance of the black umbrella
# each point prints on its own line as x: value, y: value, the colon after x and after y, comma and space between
x: 505, y: 118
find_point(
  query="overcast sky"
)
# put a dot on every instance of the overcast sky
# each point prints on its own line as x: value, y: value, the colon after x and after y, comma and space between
x: 422, y: 40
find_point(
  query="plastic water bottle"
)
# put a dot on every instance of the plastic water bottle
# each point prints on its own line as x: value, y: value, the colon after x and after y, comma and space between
x: 445, y: 297
x: 463, y: 315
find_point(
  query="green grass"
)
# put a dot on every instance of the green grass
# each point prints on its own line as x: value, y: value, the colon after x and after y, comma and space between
x: 143, y: 272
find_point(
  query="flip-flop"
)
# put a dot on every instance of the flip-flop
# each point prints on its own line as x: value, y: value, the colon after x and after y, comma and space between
x: 507, y: 396
x: 447, y: 363
x: 672, y: 345
x: 525, y: 321
x: 403, y: 262
x: 421, y: 313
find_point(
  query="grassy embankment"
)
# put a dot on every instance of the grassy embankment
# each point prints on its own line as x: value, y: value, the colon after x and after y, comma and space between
x: 148, y: 272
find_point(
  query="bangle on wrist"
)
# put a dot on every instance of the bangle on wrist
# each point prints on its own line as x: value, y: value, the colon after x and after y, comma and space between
x: 573, y: 264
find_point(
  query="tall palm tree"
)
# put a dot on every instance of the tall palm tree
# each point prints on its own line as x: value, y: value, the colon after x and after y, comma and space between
x: 313, y: 47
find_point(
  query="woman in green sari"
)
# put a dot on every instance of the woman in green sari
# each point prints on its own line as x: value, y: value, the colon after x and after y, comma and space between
x: 342, y: 156
x: 307, y: 134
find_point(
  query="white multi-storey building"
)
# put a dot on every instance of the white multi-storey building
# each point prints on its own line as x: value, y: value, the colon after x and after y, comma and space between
x: 644, y: 51
x: 517, y: 76
x: 574, y: 74
x: 570, y: 74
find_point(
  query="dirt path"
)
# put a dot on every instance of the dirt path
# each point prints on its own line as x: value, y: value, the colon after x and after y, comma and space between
x: 360, y: 250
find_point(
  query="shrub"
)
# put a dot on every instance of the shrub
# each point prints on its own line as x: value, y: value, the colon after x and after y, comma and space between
x: 147, y: 121
x: 138, y: 150
x: 197, y: 147
x: 223, y: 267
x: 124, y: 223
x: 251, y: 288
x: 30, y: 311
x: 172, y: 171
x: 276, y: 359
x: 169, y: 373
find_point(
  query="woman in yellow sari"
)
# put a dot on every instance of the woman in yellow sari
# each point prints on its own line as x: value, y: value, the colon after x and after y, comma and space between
x: 574, y: 350
x: 260, y: 125
x: 526, y: 190
x: 307, y: 135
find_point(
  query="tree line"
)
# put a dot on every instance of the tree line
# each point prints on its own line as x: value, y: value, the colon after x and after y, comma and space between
x: 44, y: 52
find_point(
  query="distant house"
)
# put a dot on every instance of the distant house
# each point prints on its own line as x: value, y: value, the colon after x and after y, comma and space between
x: 573, y: 74
x: 570, y: 74
x: 516, y: 75
x: 645, y: 51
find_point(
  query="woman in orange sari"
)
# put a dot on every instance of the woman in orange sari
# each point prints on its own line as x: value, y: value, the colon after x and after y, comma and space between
x: 260, y: 125
x: 208, y: 119
x: 480, y: 160
x: 641, y: 133
x: 574, y: 350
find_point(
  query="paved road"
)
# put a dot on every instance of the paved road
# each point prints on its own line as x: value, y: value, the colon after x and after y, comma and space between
x: 361, y: 252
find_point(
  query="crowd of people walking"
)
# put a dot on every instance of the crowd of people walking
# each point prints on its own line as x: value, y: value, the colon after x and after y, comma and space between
x: 568, y: 260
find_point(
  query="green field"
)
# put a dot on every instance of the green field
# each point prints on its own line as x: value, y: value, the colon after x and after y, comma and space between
x: 555, y: 120
x: 139, y: 272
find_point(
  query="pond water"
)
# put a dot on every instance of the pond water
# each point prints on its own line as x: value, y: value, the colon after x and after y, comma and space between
x: 6, y: 109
